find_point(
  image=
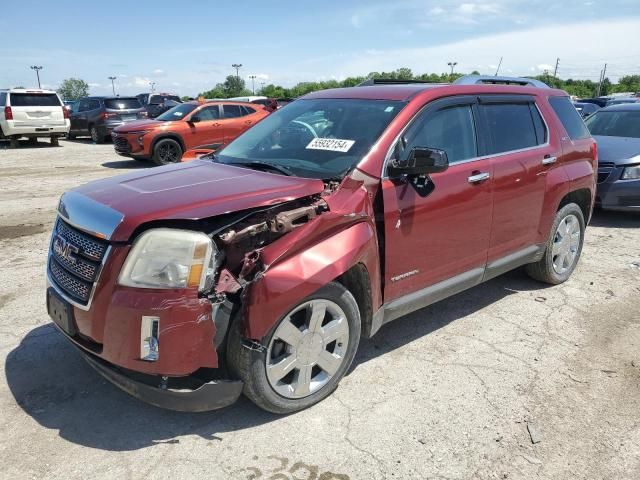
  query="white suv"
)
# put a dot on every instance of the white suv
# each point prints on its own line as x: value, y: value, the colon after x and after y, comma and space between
x: 32, y: 113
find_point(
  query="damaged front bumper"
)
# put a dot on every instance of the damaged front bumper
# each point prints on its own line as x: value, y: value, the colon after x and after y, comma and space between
x: 209, y: 396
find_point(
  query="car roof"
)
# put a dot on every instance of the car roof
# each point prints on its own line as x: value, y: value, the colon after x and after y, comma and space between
x: 26, y: 90
x: 111, y: 97
x: 405, y: 92
x: 622, y: 107
x: 220, y: 102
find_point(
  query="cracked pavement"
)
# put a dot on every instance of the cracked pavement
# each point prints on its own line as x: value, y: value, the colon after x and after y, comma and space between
x: 449, y: 392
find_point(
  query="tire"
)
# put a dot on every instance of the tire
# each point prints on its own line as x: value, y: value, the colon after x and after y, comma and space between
x: 166, y: 151
x: 250, y: 365
x: 55, y: 142
x: 71, y: 136
x: 561, y: 256
x: 95, y: 134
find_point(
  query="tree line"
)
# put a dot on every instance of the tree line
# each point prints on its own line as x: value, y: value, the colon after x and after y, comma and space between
x: 235, y: 87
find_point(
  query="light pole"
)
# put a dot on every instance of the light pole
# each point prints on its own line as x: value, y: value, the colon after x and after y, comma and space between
x: 153, y: 86
x: 253, y: 88
x: 37, y: 69
x: 237, y: 66
x: 262, y: 86
x: 452, y: 64
x: 113, y: 86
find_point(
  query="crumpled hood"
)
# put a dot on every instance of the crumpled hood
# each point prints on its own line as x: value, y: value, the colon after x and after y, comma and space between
x: 617, y: 149
x: 186, y: 191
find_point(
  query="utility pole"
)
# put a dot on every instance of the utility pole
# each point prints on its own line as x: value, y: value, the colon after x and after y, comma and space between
x: 262, y: 86
x: 37, y: 68
x: 499, y: 65
x: 555, y: 71
x: 113, y: 86
x: 237, y: 66
x: 153, y: 86
x: 602, y: 77
x: 253, y: 88
x: 452, y: 64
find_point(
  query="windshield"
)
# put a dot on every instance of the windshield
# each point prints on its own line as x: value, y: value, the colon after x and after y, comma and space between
x: 323, y: 138
x: 615, y: 123
x: 177, y: 113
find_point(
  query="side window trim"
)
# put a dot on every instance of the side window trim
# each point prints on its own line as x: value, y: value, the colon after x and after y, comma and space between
x: 431, y: 107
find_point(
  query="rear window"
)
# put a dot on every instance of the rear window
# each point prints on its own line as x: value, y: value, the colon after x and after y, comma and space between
x: 511, y: 127
x: 34, y: 100
x: 569, y: 117
x: 158, y: 99
x: 122, y: 103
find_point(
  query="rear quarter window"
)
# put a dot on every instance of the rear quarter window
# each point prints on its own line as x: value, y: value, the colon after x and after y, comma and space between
x: 3, y: 99
x: 122, y: 103
x: 569, y: 117
x: 34, y: 100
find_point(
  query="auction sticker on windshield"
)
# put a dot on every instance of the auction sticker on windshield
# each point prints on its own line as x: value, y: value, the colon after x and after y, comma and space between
x: 331, y: 144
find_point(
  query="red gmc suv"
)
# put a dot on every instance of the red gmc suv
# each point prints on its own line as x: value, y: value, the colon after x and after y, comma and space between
x: 257, y: 269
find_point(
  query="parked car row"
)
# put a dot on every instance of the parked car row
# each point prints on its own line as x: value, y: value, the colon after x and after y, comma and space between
x: 98, y: 116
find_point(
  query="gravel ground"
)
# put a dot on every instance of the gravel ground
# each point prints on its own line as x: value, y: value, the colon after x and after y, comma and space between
x: 509, y: 380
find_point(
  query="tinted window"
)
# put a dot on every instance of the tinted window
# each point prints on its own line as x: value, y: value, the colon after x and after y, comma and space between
x: 3, y: 98
x: 122, y: 103
x: 94, y: 104
x: 35, y: 100
x: 248, y: 110
x: 209, y: 113
x: 510, y: 127
x: 450, y: 129
x: 541, y: 130
x: 569, y: 117
x: 232, y: 111
x: 84, y: 105
x: 615, y: 123
x: 157, y: 99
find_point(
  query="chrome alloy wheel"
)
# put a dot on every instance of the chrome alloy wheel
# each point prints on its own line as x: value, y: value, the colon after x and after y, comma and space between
x: 307, y: 348
x: 566, y: 243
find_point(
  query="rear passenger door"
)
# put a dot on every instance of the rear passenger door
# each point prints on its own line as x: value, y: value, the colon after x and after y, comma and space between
x: 234, y: 121
x: 516, y: 139
x: 438, y: 231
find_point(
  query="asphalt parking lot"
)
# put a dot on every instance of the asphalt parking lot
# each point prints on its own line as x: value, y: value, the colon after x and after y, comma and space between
x: 510, y: 380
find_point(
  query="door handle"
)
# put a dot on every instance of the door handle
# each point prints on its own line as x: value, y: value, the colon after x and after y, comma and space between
x: 479, y: 177
x: 248, y: 122
x: 549, y: 160
x: 216, y: 124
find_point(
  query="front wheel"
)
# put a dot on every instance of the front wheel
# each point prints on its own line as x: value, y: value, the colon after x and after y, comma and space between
x: 307, y: 352
x: 166, y: 151
x: 563, y: 247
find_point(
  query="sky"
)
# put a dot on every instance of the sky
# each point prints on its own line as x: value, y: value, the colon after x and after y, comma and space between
x: 187, y: 47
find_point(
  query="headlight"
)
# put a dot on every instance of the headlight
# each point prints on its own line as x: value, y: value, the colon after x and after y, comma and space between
x: 631, y: 173
x: 138, y: 132
x: 169, y: 258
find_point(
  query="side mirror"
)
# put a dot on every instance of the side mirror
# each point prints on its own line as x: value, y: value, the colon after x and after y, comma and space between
x: 194, y: 119
x: 421, y: 161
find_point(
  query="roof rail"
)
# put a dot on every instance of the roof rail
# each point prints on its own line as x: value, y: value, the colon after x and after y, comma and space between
x: 488, y: 79
x: 388, y: 81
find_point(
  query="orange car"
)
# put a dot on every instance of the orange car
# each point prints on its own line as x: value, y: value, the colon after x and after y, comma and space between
x: 193, y: 124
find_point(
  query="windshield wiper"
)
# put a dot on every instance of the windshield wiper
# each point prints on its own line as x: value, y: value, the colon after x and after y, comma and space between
x: 264, y: 165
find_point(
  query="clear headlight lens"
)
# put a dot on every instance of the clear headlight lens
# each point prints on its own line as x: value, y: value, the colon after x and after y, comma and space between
x: 169, y: 258
x: 631, y: 173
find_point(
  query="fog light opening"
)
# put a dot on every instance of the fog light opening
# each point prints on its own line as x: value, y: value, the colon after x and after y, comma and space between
x: 149, y: 344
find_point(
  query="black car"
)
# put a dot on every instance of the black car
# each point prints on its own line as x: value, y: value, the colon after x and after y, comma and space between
x: 98, y: 116
x: 157, y: 103
x: 600, y: 101
x: 616, y: 130
x: 586, y: 109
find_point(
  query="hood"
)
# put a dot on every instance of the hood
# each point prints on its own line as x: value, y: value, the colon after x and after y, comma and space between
x: 186, y: 191
x: 619, y: 150
x: 139, y: 125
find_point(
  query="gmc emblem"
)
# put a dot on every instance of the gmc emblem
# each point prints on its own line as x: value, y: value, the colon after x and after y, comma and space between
x: 64, y: 249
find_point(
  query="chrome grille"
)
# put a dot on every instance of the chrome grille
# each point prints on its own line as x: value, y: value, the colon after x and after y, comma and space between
x: 71, y: 285
x: 89, y: 246
x: 604, y: 170
x: 75, y: 270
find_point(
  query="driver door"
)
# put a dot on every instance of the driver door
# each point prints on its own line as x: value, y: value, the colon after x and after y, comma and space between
x: 208, y: 131
x: 437, y: 229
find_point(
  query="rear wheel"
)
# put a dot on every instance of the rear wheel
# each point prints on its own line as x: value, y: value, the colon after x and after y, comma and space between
x: 166, y: 151
x: 95, y: 135
x: 71, y: 136
x: 308, y: 352
x: 563, y: 248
